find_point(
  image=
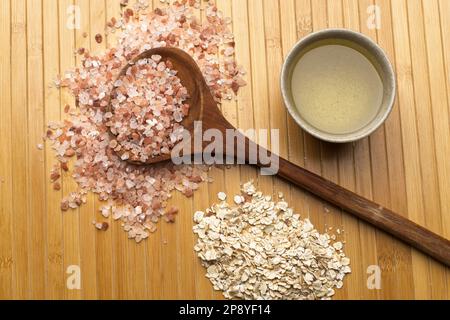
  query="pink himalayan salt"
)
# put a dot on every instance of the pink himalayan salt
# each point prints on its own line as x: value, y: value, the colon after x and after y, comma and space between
x: 137, y: 195
x: 147, y: 110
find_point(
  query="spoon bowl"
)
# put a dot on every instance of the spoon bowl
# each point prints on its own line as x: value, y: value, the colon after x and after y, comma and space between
x: 191, y: 78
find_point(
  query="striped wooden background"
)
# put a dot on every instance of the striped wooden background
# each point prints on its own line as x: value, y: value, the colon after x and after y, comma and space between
x: 404, y: 166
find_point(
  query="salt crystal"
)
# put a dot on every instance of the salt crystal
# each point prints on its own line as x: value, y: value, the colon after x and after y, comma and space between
x: 106, y: 211
x: 101, y: 226
x: 161, y: 66
x: 156, y: 58
x: 130, y: 184
x: 178, y: 117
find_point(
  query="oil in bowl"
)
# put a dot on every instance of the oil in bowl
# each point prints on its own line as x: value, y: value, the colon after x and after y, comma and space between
x: 336, y: 88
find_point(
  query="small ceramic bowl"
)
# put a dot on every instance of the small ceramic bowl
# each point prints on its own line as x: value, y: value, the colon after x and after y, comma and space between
x: 360, y: 42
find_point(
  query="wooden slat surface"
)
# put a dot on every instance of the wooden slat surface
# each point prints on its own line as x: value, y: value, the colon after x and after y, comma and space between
x: 403, y: 166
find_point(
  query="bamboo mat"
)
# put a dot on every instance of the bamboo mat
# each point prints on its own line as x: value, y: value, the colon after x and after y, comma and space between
x: 403, y: 166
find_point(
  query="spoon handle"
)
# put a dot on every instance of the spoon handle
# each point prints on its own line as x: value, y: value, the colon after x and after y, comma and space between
x: 367, y: 210
x: 393, y: 223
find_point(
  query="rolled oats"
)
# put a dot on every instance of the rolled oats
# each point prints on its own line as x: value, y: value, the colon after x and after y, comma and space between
x: 261, y: 249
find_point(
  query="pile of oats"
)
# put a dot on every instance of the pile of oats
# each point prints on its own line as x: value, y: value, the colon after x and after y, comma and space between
x: 260, y: 249
x: 136, y: 195
x: 147, y: 110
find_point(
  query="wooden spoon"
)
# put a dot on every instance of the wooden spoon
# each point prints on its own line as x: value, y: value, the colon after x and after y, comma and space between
x: 204, y: 108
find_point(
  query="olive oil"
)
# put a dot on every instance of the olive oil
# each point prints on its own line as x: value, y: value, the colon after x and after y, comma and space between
x: 336, y: 88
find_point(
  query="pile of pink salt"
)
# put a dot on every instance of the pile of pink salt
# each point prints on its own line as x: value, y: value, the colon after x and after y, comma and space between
x: 147, y: 108
x: 138, y: 195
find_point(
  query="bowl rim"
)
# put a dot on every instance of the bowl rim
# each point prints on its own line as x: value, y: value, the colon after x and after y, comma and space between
x: 379, y: 55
